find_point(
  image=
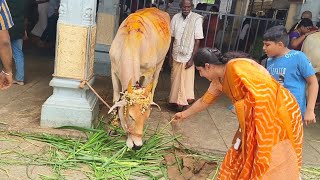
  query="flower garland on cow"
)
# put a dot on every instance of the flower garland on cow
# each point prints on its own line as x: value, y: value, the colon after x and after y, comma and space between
x: 136, y: 95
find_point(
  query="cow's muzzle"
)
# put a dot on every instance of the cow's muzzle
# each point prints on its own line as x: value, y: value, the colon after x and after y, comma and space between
x: 135, y: 147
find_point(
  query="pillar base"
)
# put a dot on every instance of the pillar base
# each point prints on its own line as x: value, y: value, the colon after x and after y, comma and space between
x: 69, y: 105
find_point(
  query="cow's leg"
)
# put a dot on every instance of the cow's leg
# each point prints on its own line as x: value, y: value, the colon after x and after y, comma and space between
x: 156, y: 78
x: 116, y: 86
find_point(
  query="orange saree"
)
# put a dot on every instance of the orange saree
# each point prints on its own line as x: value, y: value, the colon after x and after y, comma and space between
x: 270, y: 122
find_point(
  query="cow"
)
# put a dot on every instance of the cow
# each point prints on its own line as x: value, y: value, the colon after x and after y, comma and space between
x: 311, y: 47
x: 138, y: 52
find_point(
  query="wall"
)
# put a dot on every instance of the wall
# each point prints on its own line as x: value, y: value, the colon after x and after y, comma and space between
x: 280, y: 4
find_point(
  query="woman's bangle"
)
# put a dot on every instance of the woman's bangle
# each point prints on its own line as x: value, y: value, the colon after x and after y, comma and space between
x: 3, y: 72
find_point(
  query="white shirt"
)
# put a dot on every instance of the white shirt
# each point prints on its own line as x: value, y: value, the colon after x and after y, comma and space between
x: 178, y: 24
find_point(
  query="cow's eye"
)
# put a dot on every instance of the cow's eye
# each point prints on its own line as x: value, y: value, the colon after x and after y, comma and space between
x: 131, y: 118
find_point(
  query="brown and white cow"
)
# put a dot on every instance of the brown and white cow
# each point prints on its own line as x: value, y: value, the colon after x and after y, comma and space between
x: 311, y: 47
x: 138, y: 50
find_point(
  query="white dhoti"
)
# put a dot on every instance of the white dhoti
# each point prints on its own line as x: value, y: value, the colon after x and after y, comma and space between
x: 182, y: 84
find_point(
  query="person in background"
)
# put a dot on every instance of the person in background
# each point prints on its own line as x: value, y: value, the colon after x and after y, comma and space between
x: 305, y: 14
x: 246, y: 35
x: 43, y: 18
x: 211, y: 26
x: 299, y: 34
x: 49, y: 34
x: 186, y: 32
x: 19, y: 11
x: 5, y: 46
x: 270, y: 126
x: 135, y: 5
x: 292, y: 69
x: 201, y: 6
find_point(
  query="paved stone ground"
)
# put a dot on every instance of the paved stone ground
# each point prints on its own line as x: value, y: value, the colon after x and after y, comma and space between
x: 209, y: 131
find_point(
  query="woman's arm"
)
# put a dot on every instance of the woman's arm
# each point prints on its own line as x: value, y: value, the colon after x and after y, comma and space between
x: 196, y: 107
x: 294, y: 43
x: 213, y: 92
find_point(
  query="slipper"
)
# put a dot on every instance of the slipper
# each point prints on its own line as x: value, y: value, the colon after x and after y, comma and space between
x: 21, y: 83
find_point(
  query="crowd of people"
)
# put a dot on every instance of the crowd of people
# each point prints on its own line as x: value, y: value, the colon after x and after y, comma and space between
x: 17, y: 21
x: 271, y: 102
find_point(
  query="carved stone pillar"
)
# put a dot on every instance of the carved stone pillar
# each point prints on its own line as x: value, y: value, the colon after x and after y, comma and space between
x: 291, y: 15
x: 76, y: 37
x: 107, y: 26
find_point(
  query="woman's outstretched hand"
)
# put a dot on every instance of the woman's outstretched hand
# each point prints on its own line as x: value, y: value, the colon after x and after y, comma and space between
x: 178, y: 117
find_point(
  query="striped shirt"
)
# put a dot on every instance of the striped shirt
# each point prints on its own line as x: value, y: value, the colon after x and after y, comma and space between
x: 5, y: 16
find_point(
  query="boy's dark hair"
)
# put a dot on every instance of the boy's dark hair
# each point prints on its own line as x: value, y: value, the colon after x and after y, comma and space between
x: 277, y: 34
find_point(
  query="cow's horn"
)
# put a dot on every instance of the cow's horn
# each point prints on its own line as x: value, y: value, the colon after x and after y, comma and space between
x: 117, y: 104
x: 130, y: 86
x: 148, y: 88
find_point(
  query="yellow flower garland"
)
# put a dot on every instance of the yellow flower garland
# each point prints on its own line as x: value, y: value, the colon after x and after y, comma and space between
x: 137, y: 97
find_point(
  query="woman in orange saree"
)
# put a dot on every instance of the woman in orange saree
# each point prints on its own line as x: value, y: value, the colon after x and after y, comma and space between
x: 270, y: 126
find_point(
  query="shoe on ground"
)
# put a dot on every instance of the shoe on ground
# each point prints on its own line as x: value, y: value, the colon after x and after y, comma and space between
x: 191, y: 101
x: 179, y: 108
x: 186, y: 107
x: 174, y: 107
x: 21, y: 83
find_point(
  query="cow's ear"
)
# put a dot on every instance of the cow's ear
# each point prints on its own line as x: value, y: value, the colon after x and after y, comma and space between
x: 148, y: 88
x: 130, y: 86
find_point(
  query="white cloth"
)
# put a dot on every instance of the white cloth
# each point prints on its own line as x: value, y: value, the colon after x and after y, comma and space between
x: 244, y: 31
x: 178, y: 26
x: 42, y: 21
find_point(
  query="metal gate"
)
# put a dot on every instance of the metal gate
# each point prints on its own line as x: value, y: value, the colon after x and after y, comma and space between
x: 227, y: 32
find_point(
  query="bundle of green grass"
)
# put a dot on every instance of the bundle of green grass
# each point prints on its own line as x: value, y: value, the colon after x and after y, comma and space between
x: 107, y: 157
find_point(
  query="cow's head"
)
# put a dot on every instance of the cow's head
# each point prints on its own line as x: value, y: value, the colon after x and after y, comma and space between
x: 134, y: 109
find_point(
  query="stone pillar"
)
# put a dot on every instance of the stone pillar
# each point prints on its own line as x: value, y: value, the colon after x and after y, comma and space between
x: 76, y: 35
x: 107, y: 26
x: 242, y: 7
x: 291, y: 15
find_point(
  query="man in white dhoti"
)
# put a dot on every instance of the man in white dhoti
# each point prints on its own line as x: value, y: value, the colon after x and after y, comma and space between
x: 186, y: 31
